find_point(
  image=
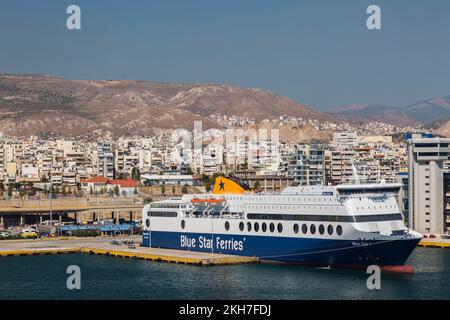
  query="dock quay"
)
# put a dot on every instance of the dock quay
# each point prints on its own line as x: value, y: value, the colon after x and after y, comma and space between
x: 435, y: 243
x: 102, y: 246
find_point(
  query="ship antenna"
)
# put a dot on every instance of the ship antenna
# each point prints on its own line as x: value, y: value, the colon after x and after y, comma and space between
x: 355, y: 172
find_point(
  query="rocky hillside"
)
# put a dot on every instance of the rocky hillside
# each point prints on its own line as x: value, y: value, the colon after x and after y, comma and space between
x: 32, y: 104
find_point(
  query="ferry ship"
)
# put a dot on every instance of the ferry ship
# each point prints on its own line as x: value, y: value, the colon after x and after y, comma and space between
x: 327, y: 226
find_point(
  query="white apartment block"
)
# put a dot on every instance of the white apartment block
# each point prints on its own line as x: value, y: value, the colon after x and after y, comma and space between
x: 426, y: 183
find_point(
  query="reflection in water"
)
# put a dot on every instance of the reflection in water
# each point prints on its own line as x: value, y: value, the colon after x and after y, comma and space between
x: 40, y: 277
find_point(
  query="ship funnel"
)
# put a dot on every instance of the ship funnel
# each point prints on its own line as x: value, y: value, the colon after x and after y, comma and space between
x: 224, y: 185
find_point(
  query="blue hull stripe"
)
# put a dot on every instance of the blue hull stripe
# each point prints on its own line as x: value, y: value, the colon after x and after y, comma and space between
x: 329, y: 252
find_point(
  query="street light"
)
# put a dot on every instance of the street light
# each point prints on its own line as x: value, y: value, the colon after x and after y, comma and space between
x: 51, y: 188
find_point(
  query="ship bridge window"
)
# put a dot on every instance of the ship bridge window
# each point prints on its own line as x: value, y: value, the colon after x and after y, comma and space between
x: 300, y: 217
x: 162, y: 214
x: 350, y: 191
x: 378, y: 217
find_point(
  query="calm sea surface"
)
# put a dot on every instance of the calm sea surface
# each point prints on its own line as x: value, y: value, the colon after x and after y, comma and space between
x: 44, y: 277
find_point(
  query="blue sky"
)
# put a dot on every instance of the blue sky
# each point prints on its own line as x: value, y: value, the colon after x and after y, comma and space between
x: 319, y: 53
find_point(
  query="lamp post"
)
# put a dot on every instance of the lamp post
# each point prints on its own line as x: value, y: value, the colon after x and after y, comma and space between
x: 51, y: 189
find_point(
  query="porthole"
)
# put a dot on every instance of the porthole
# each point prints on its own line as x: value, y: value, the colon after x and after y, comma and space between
x: 321, y: 229
x: 256, y: 227
x: 249, y: 226
x: 304, y: 229
x: 312, y: 229
x: 241, y: 226
x: 296, y: 228
x: 264, y: 227
x: 227, y: 225
x: 147, y: 223
x: 280, y: 228
x: 330, y: 229
x: 339, y: 230
x: 183, y: 224
x: 272, y: 227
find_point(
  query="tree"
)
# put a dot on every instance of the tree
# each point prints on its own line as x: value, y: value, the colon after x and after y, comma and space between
x: 208, y: 186
x: 135, y: 173
x: 163, y: 189
x: 184, y: 189
x: 116, y: 190
x: 91, y: 191
x: 173, y: 190
x: 10, y: 190
x: 256, y: 185
x: 44, y: 179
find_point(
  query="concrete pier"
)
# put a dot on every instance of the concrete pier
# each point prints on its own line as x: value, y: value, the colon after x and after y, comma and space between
x: 435, y: 243
x: 102, y: 246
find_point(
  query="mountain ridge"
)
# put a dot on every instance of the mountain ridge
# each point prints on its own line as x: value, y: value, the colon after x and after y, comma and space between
x: 42, y: 103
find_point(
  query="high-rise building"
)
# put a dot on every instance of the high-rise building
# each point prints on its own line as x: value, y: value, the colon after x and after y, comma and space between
x: 105, y: 155
x: 426, y: 156
x: 307, y: 165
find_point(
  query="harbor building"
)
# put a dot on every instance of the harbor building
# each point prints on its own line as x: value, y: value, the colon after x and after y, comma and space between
x: 426, y: 156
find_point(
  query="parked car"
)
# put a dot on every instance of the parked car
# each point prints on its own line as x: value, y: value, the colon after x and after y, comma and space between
x: 131, y: 246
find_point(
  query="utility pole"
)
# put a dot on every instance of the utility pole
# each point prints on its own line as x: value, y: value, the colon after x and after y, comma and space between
x: 51, y: 188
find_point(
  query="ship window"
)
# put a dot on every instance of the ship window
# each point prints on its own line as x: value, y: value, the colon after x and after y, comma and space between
x: 183, y: 224
x: 147, y: 223
x: 264, y: 227
x: 241, y: 226
x: 272, y: 227
x: 249, y: 226
x: 339, y: 230
x: 304, y: 228
x: 312, y: 229
x: 227, y: 225
x: 280, y: 228
x: 330, y: 229
x: 256, y: 227
x: 296, y: 228
x: 321, y: 229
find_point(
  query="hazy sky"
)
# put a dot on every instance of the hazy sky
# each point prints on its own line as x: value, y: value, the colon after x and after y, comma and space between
x: 319, y: 53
